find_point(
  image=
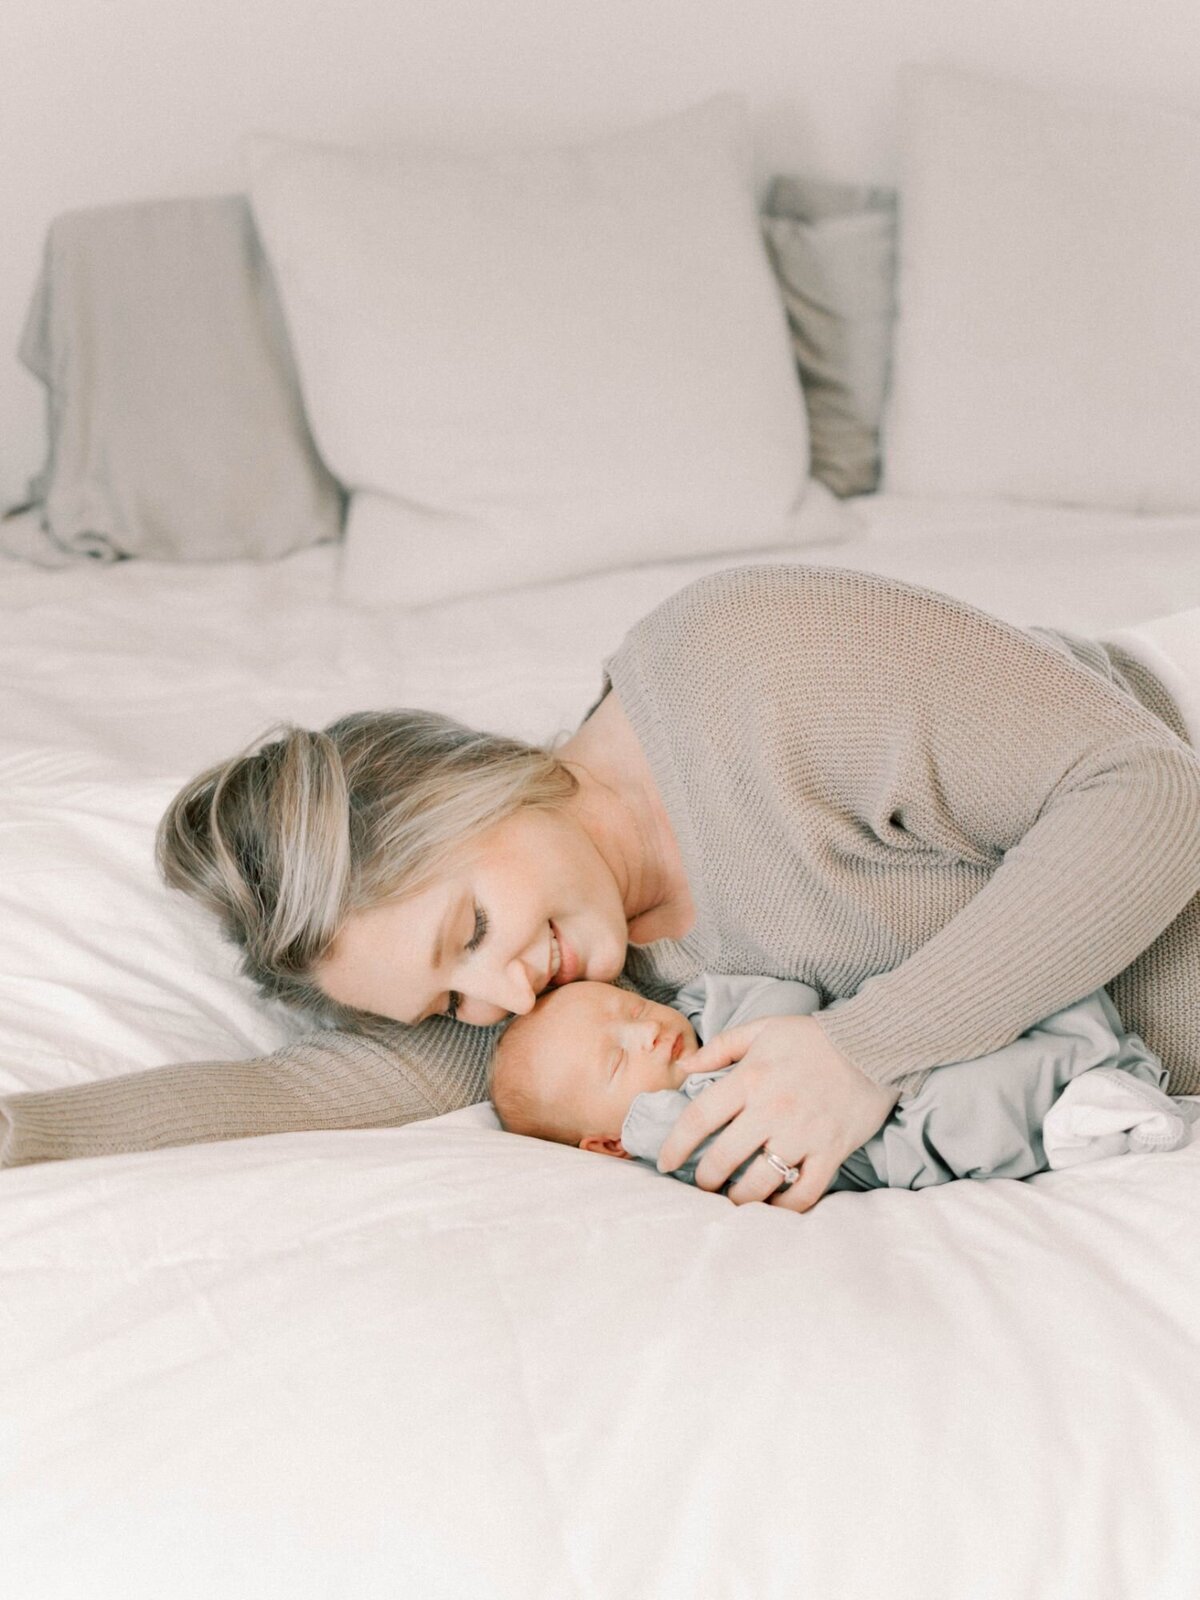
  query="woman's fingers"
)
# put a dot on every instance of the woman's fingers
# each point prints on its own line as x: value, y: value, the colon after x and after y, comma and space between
x: 760, y: 1181
x: 815, y: 1177
x: 723, y: 1049
x: 734, y: 1145
x: 709, y: 1111
x: 712, y: 1109
x: 794, y: 1093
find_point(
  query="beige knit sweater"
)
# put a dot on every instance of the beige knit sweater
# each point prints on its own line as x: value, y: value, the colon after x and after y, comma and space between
x: 876, y: 789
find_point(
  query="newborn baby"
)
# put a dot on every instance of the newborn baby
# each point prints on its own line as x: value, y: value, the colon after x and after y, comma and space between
x: 600, y: 1067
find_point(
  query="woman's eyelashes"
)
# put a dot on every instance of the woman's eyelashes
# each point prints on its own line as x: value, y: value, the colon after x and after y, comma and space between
x: 481, y: 927
x: 473, y: 943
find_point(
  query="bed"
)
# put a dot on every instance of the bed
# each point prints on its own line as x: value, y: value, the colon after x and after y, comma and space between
x: 446, y: 1361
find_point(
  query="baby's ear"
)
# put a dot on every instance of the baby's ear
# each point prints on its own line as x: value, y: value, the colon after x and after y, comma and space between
x: 604, y: 1147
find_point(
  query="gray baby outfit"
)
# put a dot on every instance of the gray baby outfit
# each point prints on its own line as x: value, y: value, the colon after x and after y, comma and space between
x: 974, y: 1119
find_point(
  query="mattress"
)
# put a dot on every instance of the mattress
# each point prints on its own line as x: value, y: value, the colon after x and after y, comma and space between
x: 446, y: 1361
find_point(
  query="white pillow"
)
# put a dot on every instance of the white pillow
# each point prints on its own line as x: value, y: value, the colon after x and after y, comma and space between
x: 103, y: 969
x: 1048, y: 344
x: 533, y: 365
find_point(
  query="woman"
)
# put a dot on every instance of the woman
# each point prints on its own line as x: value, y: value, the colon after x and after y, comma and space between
x: 804, y: 771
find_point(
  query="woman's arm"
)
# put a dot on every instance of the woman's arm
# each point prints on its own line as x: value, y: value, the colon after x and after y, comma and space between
x: 918, y: 731
x: 1090, y: 808
x: 326, y: 1080
x: 1021, y: 824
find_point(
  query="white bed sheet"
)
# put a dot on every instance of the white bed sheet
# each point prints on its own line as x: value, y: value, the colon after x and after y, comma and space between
x: 453, y: 1364
x: 446, y: 1361
x: 160, y: 667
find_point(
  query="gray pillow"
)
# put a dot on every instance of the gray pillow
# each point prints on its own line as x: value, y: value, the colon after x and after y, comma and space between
x: 175, y: 420
x: 833, y: 247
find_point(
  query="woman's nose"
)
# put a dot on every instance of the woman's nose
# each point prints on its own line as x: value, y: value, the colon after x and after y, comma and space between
x: 493, y: 995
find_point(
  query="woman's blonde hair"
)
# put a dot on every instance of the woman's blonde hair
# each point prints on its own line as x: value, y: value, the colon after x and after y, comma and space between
x: 285, y: 841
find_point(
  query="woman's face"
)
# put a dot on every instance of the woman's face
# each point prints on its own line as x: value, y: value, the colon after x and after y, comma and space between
x: 533, y: 904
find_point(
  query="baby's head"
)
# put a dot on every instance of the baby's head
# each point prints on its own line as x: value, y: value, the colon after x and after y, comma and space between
x: 569, y: 1069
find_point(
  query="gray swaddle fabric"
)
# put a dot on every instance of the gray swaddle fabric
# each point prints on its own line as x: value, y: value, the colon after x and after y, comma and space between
x: 984, y: 1118
x: 975, y: 1119
x: 716, y: 1001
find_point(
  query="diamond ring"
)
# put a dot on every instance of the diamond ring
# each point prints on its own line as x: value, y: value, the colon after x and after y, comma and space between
x: 786, y: 1173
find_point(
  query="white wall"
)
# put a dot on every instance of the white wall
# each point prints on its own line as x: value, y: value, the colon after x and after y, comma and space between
x: 116, y: 99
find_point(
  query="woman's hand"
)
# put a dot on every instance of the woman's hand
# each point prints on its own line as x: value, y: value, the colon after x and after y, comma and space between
x: 793, y: 1092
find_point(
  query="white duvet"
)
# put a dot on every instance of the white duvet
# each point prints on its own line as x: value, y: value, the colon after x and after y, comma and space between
x: 446, y: 1361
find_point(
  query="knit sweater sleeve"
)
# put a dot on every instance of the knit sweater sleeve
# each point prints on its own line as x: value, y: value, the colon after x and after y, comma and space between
x: 326, y: 1080
x: 893, y: 724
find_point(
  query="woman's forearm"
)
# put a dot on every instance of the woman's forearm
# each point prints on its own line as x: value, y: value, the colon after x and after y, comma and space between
x: 326, y: 1080
x: 1111, y: 862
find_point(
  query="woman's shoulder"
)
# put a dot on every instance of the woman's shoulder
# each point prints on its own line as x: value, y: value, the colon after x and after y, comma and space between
x: 741, y: 614
x: 753, y: 638
x: 801, y: 587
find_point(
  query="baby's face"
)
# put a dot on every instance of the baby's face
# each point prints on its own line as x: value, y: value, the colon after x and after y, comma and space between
x: 594, y: 1047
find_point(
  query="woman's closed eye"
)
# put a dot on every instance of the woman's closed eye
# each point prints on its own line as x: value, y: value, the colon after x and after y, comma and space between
x: 473, y: 943
x: 481, y: 927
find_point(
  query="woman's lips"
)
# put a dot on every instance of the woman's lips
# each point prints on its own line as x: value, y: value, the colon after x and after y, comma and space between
x: 568, y: 969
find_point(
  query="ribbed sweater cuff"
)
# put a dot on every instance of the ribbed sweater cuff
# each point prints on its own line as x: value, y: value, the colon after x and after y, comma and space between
x: 863, y: 1039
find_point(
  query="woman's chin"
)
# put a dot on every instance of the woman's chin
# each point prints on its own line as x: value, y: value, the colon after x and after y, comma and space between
x: 594, y: 966
x: 611, y: 968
